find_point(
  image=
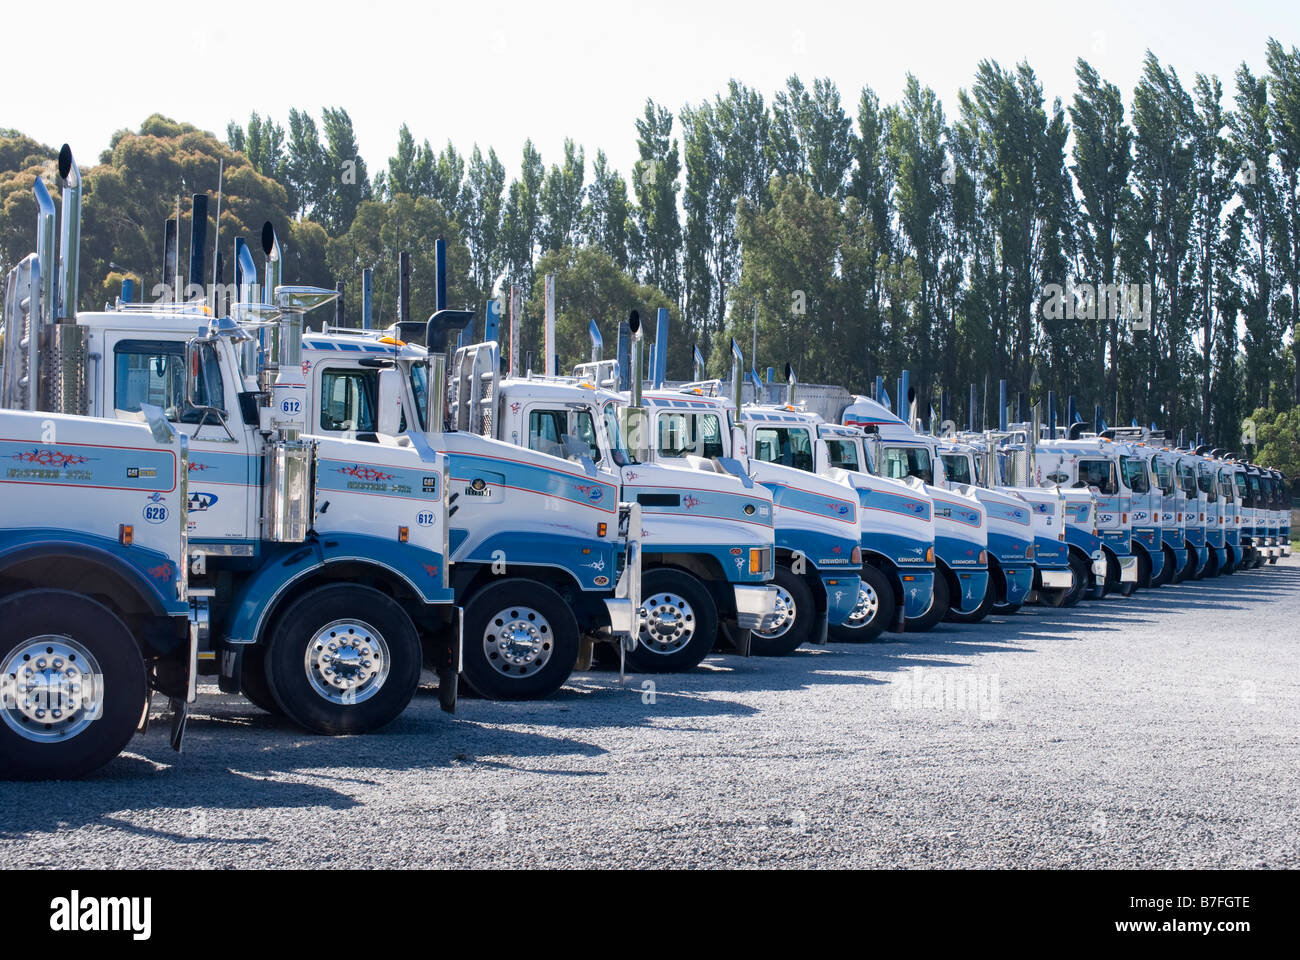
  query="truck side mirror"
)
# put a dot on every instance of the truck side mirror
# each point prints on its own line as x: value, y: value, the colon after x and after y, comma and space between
x: 390, y: 403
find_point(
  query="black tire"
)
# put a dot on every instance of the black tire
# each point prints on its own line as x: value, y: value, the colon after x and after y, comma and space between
x: 547, y: 641
x: 1144, y: 570
x: 362, y: 620
x: 1229, y: 568
x: 253, y: 683
x: 1189, y: 568
x: 1212, y: 564
x: 685, y: 627
x: 1167, y: 569
x: 1054, y: 598
x: 874, y: 613
x: 29, y: 618
x: 1081, y: 570
x: 940, y: 598
x: 1006, y: 609
x: 793, y: 626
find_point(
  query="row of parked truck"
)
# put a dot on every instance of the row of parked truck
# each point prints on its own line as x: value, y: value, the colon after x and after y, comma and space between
x: 313, y: 517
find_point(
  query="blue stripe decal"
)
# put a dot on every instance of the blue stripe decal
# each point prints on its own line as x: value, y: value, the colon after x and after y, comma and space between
x: 1009, y: 549
x: 820, y: 549
x: 872, y: 499
x: 904, y: 551
x: 147, y: 469
x: 794, y: 498
x: 957, y: 552
x: 1007, y: 511
x: 531, y: 478
x: 592, y: 562
x: 377, y: 479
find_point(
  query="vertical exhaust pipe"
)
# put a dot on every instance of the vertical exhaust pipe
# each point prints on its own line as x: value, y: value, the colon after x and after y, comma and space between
x: 1031, y: 447
x: 171, y: 254
x: 516, y: 313
x: 1002, y: 406
x: 1051, y: 414
x: 45, y: 251
x: 880, y: 388
x: 661, y: 348
x: 597, y: 343
x: 698, y: 366
x: 791, y: 382
x: 198, y: 239
x: 340, y: 314
x: 274, y: 262
x: 623, y: 354
x: 245, y: 273
x: 70, y: 233
x: 439, y: 275
x: 737, y: 381
x: 548, y: 364
x: 971, y: 408
x: 634, y: 332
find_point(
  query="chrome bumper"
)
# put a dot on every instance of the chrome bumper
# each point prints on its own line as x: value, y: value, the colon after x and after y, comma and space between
x: 1056, y: 579
x: 753, y: 604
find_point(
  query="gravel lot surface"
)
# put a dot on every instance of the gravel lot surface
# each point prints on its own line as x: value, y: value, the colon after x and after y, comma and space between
x: 1155, y: 731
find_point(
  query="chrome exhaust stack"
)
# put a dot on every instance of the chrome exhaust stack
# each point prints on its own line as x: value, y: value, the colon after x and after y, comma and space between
x: 70, y: 235
x: 597, y: 342
x: 737, y: 379
x: 791, y: 382
x: 274, y: 263
x: 698, y: 371
x: 638, y: 421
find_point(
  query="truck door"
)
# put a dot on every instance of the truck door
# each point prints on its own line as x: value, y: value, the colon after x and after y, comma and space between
x: 146, y: 367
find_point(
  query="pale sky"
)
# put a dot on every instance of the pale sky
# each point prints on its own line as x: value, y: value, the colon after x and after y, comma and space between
x: 497, y: 72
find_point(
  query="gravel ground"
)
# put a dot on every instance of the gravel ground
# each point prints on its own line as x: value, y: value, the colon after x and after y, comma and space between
x: 1154, y: 731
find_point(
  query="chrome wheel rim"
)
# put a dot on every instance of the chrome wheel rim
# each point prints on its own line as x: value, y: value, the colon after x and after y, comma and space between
x: 51, y: 688
x: 667, y: 623
x: 780, y: 621
x: 518, y: 641
x: 347, y: 661
x: 865, y: 610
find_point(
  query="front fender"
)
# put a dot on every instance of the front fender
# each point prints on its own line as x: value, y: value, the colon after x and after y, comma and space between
x: 151, y: 574
x: 420, y: 569
x: 841, y: 595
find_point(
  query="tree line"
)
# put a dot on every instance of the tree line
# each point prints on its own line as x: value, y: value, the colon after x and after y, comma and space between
x: 1140, y: 252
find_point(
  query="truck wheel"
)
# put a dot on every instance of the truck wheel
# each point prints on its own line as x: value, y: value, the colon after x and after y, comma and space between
x: 792, y: 624
x: 72, y: 686
x: 1144, y: 571
x: 937, y: 610
x: 252, y: 680
x: 1167, y: 570
x: 874, y: 612
x: 679, y: 623
x: 1080, y: 568
x: 343, y: 659
x: 521, y: 641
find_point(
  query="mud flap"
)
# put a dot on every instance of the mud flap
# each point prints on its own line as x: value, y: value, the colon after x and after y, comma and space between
x: 449, y: 672
x: 586, y: 646
x: 738, y: 637
x: 180, y: 720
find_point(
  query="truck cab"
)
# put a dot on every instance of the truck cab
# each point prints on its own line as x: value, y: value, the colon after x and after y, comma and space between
x: 1055, y: 580
x: 708, y: 540
x: 900, y: 451
x: 1093, y: 464
x: 537, y: 541
x: 818, y: 554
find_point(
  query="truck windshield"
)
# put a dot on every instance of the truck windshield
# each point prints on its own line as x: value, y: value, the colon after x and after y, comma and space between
x: 1243, y: 490
x: 1205, y: 479
x: 1165, y: 474
x: 1225, y: 486
x: 843, y: 455
x: 957, y: 467
x: 614, y: 434
x: 788, y: 446
x: 680, y: 433
x: 900, y: 462
x: 1100, y: 474
x: 420, y: 390
x: 1136, y: 477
